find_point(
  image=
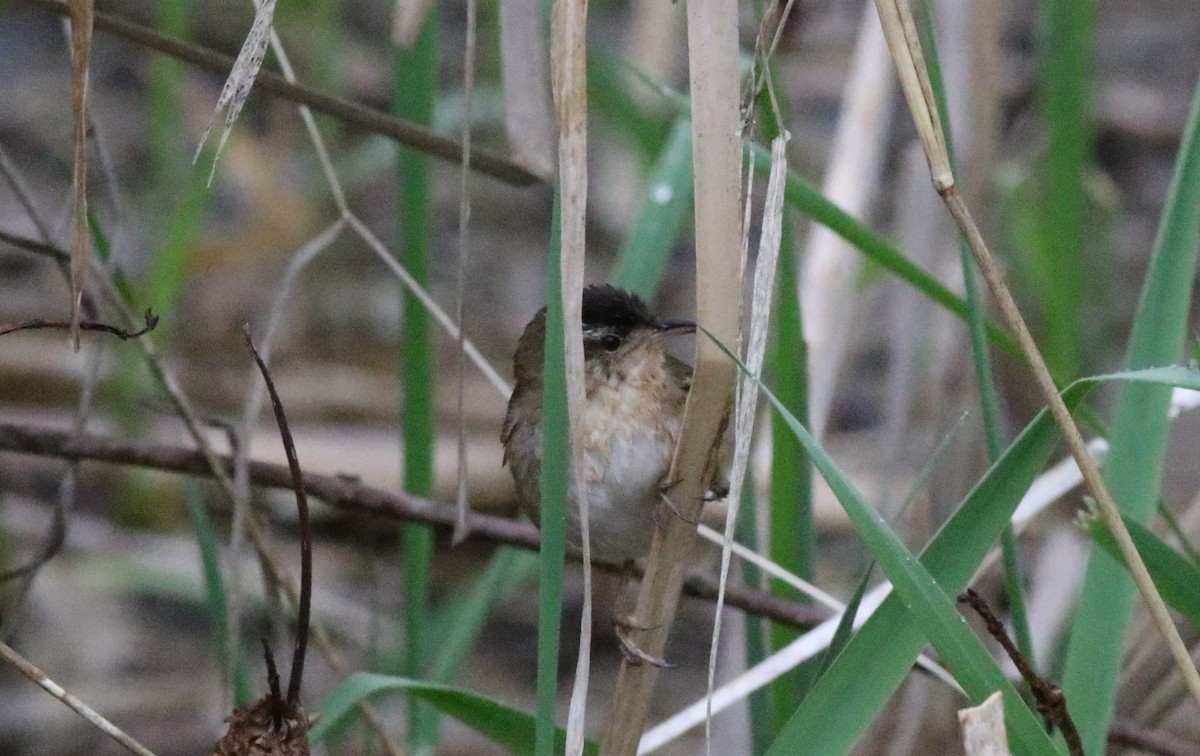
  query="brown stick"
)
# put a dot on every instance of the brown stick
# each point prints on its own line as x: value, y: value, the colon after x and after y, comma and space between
x: 304, y: 610
x: 1141, y: 738
x: 356, y: 114
x: 351, y: 496
x: 82, y: 325
x: 1051, y: 702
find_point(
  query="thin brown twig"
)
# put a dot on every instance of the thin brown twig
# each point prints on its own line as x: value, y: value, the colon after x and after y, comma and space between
x: 1125, y: 733
x: 212, y: 465
x: 351, y: 496
x: 349, y: 112
x: 304, y: 611
x: 905, y: 46
x: 81, y: 13
x: 191, y: 421
x: 83, y: 325
x: 1051, y: 702
x: 273, y: 687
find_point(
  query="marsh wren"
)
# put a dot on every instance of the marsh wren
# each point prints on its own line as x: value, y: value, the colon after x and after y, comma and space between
x: 635, y: 394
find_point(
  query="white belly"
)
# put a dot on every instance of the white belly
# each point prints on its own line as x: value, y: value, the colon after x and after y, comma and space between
x: 627, y: 461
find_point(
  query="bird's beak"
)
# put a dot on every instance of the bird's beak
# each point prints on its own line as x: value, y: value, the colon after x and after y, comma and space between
x: 675, y: 327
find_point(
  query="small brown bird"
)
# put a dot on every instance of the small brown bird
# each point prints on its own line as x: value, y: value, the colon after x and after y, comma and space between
x: 635, y: 398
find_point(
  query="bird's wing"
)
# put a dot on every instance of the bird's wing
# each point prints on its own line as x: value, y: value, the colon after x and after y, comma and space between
x: 680, y: 371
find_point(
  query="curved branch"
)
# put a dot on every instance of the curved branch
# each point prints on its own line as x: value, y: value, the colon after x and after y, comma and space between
x: 351, y: 496
x: 347, y: 111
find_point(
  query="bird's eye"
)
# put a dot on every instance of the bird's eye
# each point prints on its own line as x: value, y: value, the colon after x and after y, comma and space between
x: 610, y: 341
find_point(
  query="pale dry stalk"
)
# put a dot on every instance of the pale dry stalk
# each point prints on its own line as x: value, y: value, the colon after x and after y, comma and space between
x: 914, y: 79
x: 713, y: 73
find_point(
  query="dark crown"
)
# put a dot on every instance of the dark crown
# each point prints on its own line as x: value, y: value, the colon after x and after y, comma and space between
x: 607, y: 307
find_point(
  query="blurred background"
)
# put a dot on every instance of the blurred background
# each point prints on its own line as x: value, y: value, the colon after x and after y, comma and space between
x: 1067, y: 118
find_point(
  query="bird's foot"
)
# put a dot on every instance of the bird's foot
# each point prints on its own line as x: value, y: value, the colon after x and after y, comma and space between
x: 664, y: 494
x: 717, y: 490
x: 623, y: 625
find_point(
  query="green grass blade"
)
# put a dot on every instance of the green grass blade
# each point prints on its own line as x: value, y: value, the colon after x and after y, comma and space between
x: 1138, y: 444
x: 463, y: 620
x: 934, y: 611
x: 611, y: 97
x: 415, y: 81
x: 214, y: 592
x: 989, y: 400
x: 1177, y: 579
x: 647, y: 249
x: 842, y: 702
x: 1057, y: 261
x: 555, y: 488
x: 511, y: 728
x: 166, y: 99
x: 845, y: 628
x: 806, y: 198
x: 792, y: 543
x: 618, y: 110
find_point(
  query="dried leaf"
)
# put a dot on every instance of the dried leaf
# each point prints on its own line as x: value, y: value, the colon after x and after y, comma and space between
x: 267, y: 727
x: 241, y: 80
x: 983, y: 728
x: 770, y: 238
x: 82, y: 15
x: 528, y: 120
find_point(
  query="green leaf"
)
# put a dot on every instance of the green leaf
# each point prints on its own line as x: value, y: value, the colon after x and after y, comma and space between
x: 1175, y: 577
x: 1137, y: 447
x: 647, y: 249
x: 806, y: 198
x: 555, y: 488
x: 414, y: 93
x: 931, y: 608
x: 843, y: 701
x: 461, y: 623
x: 1061, y: 218
x: 511, y: 728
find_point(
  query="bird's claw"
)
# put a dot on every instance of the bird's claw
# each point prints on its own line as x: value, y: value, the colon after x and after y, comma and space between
x: 622, y: 625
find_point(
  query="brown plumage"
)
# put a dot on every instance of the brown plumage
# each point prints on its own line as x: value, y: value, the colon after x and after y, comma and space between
x: 635, y: 392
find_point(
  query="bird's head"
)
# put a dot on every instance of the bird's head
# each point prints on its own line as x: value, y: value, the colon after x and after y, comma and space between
x: 617, y: 324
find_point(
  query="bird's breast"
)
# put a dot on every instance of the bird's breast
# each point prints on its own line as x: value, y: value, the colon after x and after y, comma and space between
x: 629, y: 437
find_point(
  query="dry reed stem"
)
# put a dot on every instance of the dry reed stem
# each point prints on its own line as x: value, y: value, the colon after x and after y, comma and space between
x: 914, y: 77
x: 524, y: 73
x: 829, y: 289
x: 713, y: 73
x: 240, y: 81
x: 464, y: 254
x: 79, y: 707
x: 770, y: 240
x: 568, y: 68
x: 82, y: 14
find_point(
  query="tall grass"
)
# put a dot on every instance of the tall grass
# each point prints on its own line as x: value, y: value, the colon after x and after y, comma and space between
x: 852, y: 686
x: 1138, y: 445
x: 415, y: 89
